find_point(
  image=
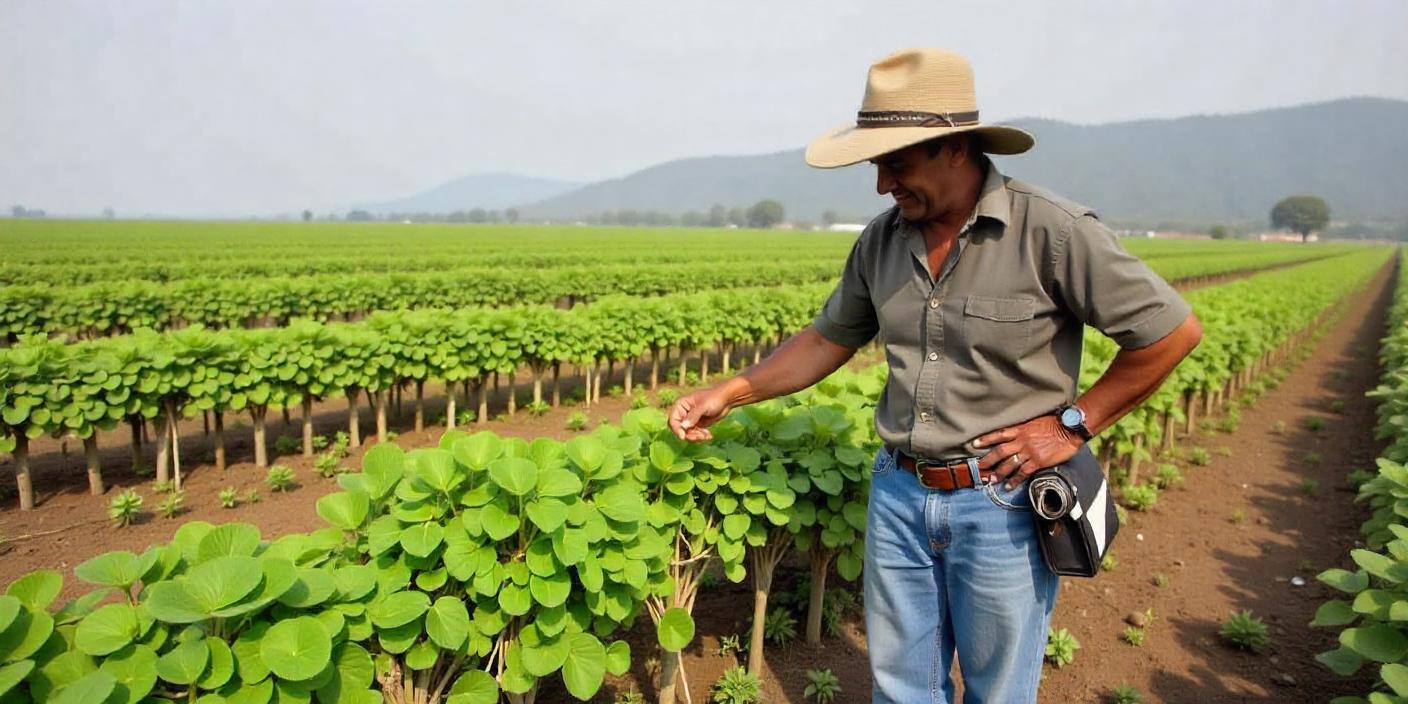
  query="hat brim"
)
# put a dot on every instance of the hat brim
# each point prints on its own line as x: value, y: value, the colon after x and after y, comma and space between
x: 849, y: 144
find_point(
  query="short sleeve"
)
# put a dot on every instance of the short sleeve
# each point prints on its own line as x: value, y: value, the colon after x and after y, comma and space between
x: 848, y: 317
x: 1111, y: 290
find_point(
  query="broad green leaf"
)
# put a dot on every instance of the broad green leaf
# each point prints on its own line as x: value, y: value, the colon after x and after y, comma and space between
x: 1342, y: 661
x: 437, y: 470
x: 37, y: 589
x: 1344, y: 580
x: 9, y: 609
x: 675, y: 630
x: 515, y: 600
x: 398, y: 609
x: 185, y: 663
x: 558, y: 482
x: 587, y: 452
x: 618, y: 658
x: 621, y: 502
x: 313, y: 587
x: 107, y: 630
x: 421, y: 656
x: 516, y: 475
x: 474, y: 687
x: 1379, y: 642
x: 25, y: 636
x: 421, y: 539
x: 547, y: 514
x: 222, y: 581
x: 585, y: 666
x: 119, y: 568
x: 221, y: 667
x: 13, y: 674
x: 250, y: 663
x: 354, y: 581
x: 229, y: 540
x: 297, y: 648
x: 736, y: 525
x: 551, y: 591
x: 261, y: 693
x: 355, y: 672
x: 134, y: 669
x: 92, y: 687
x: 447, y: 622
x: 478, y: 450
x: 1396, y: 677
x: 382, y: 468
x: 346, y: 509
x: 497, y: 522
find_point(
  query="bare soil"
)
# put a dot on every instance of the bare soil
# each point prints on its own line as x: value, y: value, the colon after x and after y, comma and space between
x: 1263, y: 511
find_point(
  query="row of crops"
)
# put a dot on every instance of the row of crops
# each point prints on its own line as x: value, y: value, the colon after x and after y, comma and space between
x: 478, y: 569
x: 486, y: 568
x: 1373, y: 617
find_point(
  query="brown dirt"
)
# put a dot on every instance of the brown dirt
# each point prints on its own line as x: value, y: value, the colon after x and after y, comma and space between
x: 1214, y: 564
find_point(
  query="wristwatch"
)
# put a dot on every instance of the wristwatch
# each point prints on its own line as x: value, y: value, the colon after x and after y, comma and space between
x: 1073, y: 419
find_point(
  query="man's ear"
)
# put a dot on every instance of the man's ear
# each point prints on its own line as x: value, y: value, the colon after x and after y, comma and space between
x: 962, y: 149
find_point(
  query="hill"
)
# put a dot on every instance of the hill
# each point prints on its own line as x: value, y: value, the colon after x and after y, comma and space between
x: 489, y: 191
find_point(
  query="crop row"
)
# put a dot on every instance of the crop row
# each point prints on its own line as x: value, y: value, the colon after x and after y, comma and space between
x: 479, y: 570
x: 115, y: 308
x: 1248, y: 325
x: 1373, y: 623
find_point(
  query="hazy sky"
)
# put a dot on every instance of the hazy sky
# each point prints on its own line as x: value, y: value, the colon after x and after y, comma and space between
x: 256, y: 107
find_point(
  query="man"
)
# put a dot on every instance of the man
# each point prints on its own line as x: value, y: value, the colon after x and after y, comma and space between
x: 979, y: 286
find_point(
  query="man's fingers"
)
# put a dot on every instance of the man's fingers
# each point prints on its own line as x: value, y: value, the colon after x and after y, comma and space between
x: 998, y: 456
x: 996, y: 436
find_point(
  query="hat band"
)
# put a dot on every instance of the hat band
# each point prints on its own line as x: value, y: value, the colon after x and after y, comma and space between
x: 910, y: 118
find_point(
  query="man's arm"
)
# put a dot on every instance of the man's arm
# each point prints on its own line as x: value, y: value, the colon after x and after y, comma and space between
x: 803, y: 360
x: 1133, y: 376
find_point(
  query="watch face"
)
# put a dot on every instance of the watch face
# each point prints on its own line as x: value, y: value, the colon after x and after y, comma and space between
x: 1071, y: 417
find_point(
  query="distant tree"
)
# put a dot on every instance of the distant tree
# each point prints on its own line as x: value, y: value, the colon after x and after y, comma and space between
x: 18, y: 211
x: 628, y: 217
x: 478, y: 215
x: 829, y: 218
x: 738, y: 217
x: 358, y: 216
x: 718, y: 216
x: 495, y: 217
x: 766, y: 213
x: 307, y: 216
x: 511, y: 215
x: 694, y: 218
x: 109, y: 214
x: 1218, y: 232
x: 1303, y: 214
x: 1401, y: 234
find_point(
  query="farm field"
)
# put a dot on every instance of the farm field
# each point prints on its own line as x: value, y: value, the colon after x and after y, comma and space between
x: 471, y: 414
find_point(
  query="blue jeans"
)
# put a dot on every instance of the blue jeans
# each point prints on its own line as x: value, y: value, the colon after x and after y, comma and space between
x: 946, y: 570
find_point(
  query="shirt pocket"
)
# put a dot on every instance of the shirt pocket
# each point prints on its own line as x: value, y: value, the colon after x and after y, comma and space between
x: 998, y: 328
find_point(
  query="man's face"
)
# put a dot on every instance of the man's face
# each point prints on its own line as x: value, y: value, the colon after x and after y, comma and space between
x: 923, y: 186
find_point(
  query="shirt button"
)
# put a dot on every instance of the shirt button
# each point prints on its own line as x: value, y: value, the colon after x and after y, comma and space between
x: 924, y: 417
x: 933, y: 303
x: 933, y: 356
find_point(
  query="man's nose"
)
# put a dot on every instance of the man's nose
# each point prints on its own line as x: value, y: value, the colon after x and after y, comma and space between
x: 884, y: 183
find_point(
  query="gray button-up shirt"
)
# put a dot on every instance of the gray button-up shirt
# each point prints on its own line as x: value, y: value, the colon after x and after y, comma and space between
x: 995, y: 339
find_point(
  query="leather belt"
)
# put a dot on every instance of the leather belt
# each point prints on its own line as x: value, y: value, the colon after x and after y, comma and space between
x: 948, y: 475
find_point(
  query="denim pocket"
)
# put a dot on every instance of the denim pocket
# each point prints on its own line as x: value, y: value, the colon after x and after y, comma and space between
x: 1008, y: 499
x: 884, y: 462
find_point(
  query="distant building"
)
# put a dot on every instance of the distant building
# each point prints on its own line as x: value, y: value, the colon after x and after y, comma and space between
x: 845, y: 227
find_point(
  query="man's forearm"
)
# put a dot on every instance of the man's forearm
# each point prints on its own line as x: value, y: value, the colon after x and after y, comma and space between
x: 1135, y: 374
x: 803, y: 360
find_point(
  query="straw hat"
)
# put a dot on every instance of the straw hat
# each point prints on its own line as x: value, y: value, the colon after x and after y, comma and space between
x: 912, y: 96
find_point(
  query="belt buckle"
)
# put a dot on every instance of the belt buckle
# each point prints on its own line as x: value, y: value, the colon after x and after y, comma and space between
x: 921, y: 465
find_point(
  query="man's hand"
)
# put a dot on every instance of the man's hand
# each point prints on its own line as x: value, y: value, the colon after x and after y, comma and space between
x: 1019, y: 450
x: 692, y: 415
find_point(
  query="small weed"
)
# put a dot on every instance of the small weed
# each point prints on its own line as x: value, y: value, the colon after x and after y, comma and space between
x: 1199, y: 456
x: 229, y: 498
x: 1309, y: 487
x: 1168, y: 476
x: 665, y: 398
x: 1337, y: 406
x: 737, y: 686
x: 1238, y: 517
x: 614, y: 390
x: 1306, y: 566
x: 1245, y: 631
x: 577, y: 421
x: 1108, y: 563
x: 1312, y: 458
x: 328, y: 465
x: 165, y: 487
x: 279, y: 478
x: 630, y: 696
x: 728, y: 645
x: 500, y: 417
x: 1357, y: 477
x: 822, y: 686
x: 538, y: 409
x: 780, y: 627
x: 652, y: 666
x: 287, y: 445
x: 1278, y: 428
x: 171, y: 505
x: 1207, y: 425
x: 1229, y: 422
x: 252, y: 496
x: 1160, y: 580
x: 1126, y: 694
x: 1134, y: 636
x: 466, y: 417
x: 1061, y: 647
x: 124, y: 508
x: 320, y: 442
x: 143, y: 471
x: 1314, y: 424
x: 1224, y: 451
x: 1140, y: 497
x: 392, y: 435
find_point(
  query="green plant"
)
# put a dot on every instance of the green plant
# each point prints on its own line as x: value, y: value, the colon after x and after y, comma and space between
x: 1278, y: 427
x: 328, y: 465
x: 1224, y: 451
x: 822, y: 686
x: 1309, y: 486
x: 1134, y: 636
x: 1168, y: 476
x: 252, y: 496
x: 320, y: 442
x: 1061, y: 647
x: 737, y: 686
x: 1108, y: 563
x: 1337, y: 406
x: 538, y: 408
x: 1126, y: 694
x: 1230, y: 421
x: 665, y: 398
x: 1312, y: 458
x: 171, y: 504
x: 144, y: 471
x: 280, y: 478
x: 834, y: 607
x: 1245, y: 631
x: 1140, y: 497
x: 630, y: 696
x: 165, y: 487
x: 652, y: 666
x: 392, y: 435
x: 287, y: 445
x: 780, y: 626
x: 728, y: 645
x: 124, y: 508
x: 1314, y: 424
x: 229, y: 498
x: 614, y: 390
x: 1358, y: 477
x: 1199, y: 456
x: 577, y: 421
x: 1238, y: 517
x: 1160, y: 580
x: 639, y: 399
